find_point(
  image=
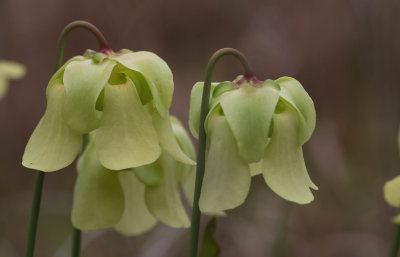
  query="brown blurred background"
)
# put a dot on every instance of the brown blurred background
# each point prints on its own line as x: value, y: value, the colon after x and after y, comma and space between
x: 346, y: 53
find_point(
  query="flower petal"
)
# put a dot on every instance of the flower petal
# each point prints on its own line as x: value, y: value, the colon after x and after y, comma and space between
x: 167, y: 139
x: 136, y: 218
x: 163, y: 200
x: 283, y: 164
x: 227, y: 176
x: 84, y: 81
x: 52, y: 145
x: 293, y: 92
x: 126, y: 137
x: 156, y: 73
x: 248, y: 111
x: 392, y: 192
x: 98, y: 197
x: 11, y: 70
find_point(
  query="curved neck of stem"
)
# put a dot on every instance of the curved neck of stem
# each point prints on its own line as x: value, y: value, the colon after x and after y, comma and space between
x: 74, y: 25
x: 195, y: 226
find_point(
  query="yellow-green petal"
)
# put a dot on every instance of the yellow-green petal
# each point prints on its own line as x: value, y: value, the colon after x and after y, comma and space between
x: 227, y: 176
x: 98, y: 197
x: 136, y: 218
x: 53, y: 145
x: 126, y: 137
x: 249, y: 111
x: 283, y: 164
x: 391, y: 192
x: 156, y: 73
x: 163, y: 200
x: 84, y: 81
x: 167, y: 139
x: 293, y: 92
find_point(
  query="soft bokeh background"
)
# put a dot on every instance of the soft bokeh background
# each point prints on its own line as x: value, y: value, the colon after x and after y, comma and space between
x: 346, y: 53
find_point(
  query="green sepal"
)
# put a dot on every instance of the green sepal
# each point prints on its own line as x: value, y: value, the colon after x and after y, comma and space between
x: 53, y: 145
x: 283, y: 164
x: 98, y: 197
x: 249, y: 111
x: 84, y: 81
x: 156, y: 73
x: 126, y: 137
x: 293, y: 92
x: 227, y: 176
x: 136, y: 218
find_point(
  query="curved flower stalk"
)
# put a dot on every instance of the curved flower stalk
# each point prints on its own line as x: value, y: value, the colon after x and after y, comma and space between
x: 133, y: 200
x: 254, y: 127
x: 9, y: 70
x: 124, y: 96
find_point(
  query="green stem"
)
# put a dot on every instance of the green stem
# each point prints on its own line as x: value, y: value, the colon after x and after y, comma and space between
x: 37, y: 195
x: 394, y: 248
x: 74, y: 25
x: 33, y: 221
x: 201, y: 155
x: 76, y: 243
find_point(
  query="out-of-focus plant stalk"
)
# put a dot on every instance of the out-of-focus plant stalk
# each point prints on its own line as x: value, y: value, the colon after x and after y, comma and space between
x: 395, y: 244
x: 40, y: 175
x: 195, y: 224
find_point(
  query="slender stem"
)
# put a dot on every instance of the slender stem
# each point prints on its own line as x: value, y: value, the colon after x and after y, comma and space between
x: 201, y: 155
x: 76, y: 243
x: 37, y: 195
x: 33, y: 221
x: 74, y: 25
x: 394, y: 247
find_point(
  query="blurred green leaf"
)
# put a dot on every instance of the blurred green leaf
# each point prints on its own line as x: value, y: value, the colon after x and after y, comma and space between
x: 210, y: 247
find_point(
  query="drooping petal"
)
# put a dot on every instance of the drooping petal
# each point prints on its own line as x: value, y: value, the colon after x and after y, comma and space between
x: 53, y: 145
x: 249, y: 111
x: 392, y: 192
x: 227, y: 176
x: 283, y: 164
x: 98, y: 197
x: 84, y: 81
x: 126, y: 137
x: 185, y: 172
x: 163, y: 200
x: 293, y: 92
x: 156, y: 73
x: 9, y: 70
x: 167, y: 139
x: 195, y: 106
x: 136, y: 218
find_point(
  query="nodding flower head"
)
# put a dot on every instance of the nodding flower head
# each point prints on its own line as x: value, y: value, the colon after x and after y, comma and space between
x: 254, y: 127
x: 133, y: 200
x: 124, y: 96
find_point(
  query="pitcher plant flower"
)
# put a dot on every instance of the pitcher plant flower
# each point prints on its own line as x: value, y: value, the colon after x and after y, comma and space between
x: 125, y: 96
x: 254, y: 127
x: 9, y: 70
x: 133, y: 200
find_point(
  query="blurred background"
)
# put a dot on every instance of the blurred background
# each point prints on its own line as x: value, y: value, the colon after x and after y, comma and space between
x: 346, y: 53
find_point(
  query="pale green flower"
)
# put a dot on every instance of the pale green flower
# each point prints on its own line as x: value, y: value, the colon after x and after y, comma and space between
x: 124, y: 96
x: 133, y: 200
x: 254, y: 127
x: 391, y: 190
x: 9, y: 70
